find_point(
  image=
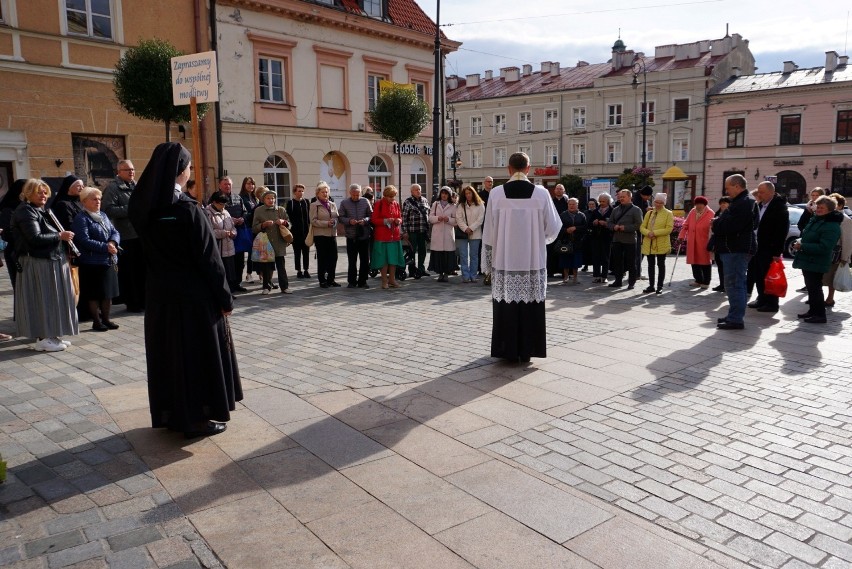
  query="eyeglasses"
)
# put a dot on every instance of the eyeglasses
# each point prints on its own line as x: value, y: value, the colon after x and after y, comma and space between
x: 127, y: 170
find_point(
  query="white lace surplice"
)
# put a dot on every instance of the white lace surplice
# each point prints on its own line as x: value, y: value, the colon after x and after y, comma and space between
x: 514, y: 239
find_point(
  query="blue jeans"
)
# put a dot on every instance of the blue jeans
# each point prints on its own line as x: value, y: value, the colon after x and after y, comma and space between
x: 736, y: 269
x: 468, y: 250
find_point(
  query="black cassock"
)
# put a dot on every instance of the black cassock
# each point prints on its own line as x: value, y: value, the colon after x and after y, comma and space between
x: 192, y: 366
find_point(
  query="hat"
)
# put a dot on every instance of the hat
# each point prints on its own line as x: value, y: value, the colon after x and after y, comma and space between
x: 646, y: 191
x: 219, y: 197
x: 700, y: 199
x: 266, y: 193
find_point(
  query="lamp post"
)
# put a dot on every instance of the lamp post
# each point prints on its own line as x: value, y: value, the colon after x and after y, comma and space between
x: 639, y: 67
x: 456, y: 154
x: 436, y: 109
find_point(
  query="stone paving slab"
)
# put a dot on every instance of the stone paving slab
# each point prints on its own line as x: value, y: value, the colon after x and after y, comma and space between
x: 646, y: 428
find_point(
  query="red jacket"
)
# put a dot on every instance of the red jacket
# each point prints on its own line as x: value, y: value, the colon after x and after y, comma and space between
x: 381, y: 211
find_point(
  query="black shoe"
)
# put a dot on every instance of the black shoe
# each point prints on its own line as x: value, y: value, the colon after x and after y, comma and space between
x: 659, y: 291
x: 722, y: 319
x: 334, y: 284
x: 299, y: 275
x: 585, y: 269
x: 208, y: 431
x: 110, y: 325
x: 418, y: 275
x: 803, y: 289
x: 350, y: 285
x: 307, y: 274
x: 99, y: 327
x: 324, y: 285
x: 730, y: 325
x: 805, y: 315
x: 274, y: 287
x: 630, y: 287
x: 648, y: 290
x: 816, y: 320
x: 425, y: 273
x: 767, y: 308
x: 754, y: 304
x: 241, y: 289
x: 615, y: 285
x: 363, y: 285
x: 719, y: 288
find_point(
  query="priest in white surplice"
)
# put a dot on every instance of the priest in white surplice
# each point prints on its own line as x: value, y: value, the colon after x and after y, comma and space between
x: 519, y: 223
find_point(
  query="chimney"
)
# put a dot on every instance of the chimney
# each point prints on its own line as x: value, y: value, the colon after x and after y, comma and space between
x: 582, y: 63
x: 843, y: 60
x: 527, y: 70
x: 545, y: 67
x: 472, y: 80
x: 687, y: 51
x: 489, y: 74
x: 512, y: 74
x: 722, y: 46
x: 736, y: 71
x: 662, y: 51
x: 452, y: 82
x: 789, y: 67
x: 503, y: 72
x: 554, y: 69
x: 830, y: 61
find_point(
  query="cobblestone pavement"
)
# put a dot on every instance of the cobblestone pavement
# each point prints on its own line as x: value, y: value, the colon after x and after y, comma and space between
x: 377, y: 432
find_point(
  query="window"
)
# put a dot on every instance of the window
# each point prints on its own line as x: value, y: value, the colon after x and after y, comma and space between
x: 613, y: 152
x: 525, y: 148
x: 736, y: 133
x: 476, y: 158
x: 499, y: 157
x: 333, y: 87
x: 578, y: 117
x: 650, y: 117
x: 680, y: 147
x: 373, y: 92
x: 378, y: 175
x: 418, y: 172
x: 276, y: 177
x: 551, y: 154
x: 420, y: 89
x: 578, y: 152
x: 614, y: 115
x: 649, y: 150
x: 551, y: 119
x: 271, y: 79
x: 372, y: 8
x: 499, y: 124
x: 525, y: 122
x: 454, y: 127
x: 681, y: 109
x: 89, y: 18
x: 791, y: 128
x: 476, y: 126
x: 844, y: 126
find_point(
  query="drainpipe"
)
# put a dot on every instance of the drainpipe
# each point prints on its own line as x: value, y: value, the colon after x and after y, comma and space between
x: 199, y: 47
x: 216, y: 110
x: 559, y: 145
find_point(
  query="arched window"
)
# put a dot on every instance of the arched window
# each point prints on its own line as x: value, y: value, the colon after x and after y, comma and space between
x: 377, y: 175
x: 276, y: 177
x: 418, y: 173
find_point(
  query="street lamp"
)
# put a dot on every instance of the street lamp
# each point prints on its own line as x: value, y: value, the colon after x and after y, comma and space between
x: 639, y: 67
x: 455, y: 154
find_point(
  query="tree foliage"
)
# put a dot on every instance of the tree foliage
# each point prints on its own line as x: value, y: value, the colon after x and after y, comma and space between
x: 637, y: 178
x: 573, y: 186
x: 399, y: 116
x: 143, y: 83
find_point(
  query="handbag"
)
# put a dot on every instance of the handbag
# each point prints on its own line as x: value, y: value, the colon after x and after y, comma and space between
x: 309, y: 238
x: 843, y: 278
x: 243, y: 240
x: 565, y: 247
x: 459, y: 233
x: 3, y: 244
x: 262, y: 250
x: 775, y: 282
x: 286, y: 234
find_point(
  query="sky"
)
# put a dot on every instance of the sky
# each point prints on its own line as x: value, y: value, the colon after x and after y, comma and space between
x: 557, y: 30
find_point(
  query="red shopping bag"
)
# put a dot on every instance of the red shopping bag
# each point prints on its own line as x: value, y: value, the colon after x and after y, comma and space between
x: 775, y: 282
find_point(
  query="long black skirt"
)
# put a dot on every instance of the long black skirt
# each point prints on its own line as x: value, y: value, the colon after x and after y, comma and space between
x: 442, y: 262
x: 98, y: 282
x: 518, y: 330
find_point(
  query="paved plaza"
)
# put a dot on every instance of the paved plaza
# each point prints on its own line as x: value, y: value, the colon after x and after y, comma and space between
x: 376, y: 432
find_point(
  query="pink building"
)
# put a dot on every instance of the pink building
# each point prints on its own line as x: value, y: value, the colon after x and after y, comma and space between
x: 792, y: 127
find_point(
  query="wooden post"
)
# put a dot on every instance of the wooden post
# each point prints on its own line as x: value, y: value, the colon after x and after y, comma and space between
x: 197, y: 159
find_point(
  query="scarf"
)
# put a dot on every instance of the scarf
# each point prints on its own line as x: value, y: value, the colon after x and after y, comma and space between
x: 325, y: 205
x: 96, y: 216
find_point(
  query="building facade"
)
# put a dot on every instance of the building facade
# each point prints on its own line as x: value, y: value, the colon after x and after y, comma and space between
x: 586, y: 120
x: 58, y: 113
x: 793, y: 127
x: 301, y: 78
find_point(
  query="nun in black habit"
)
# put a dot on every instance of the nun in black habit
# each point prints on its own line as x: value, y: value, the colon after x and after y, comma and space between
x: 193, y: 380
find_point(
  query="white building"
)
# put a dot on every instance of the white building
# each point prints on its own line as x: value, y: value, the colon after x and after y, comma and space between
x: 298, y: 78
x: 586, y: 120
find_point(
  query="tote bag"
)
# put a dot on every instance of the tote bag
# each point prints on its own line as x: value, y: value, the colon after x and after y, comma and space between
x: 262, y: 250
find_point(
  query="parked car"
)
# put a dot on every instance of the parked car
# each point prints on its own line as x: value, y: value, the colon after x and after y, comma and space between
x: 794, y: 212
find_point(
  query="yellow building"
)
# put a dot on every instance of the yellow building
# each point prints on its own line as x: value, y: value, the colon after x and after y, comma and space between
x: 58, y: 113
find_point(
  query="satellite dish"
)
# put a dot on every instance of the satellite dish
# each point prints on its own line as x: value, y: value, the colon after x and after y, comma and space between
x: 450, y: 149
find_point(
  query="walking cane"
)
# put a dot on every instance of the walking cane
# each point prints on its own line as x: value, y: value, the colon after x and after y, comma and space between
x: 674, y: 265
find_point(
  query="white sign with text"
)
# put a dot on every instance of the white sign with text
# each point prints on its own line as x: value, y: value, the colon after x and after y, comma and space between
x: 195, y: 76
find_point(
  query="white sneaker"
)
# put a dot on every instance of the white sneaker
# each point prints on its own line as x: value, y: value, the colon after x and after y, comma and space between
x: 286, y: 291
x: 265, y: 291
x: 249, y: 278
x: 48, y: 345
x: 66, y: 343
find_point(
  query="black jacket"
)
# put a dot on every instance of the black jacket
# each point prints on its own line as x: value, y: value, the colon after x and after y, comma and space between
x: 773, y: 227
x: 34, y: 233
x: 734, y: 229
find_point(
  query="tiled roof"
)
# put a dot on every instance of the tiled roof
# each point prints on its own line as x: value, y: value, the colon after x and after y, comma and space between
x: 568, y: 78
x: 813, y: 76
x: 403, y: 13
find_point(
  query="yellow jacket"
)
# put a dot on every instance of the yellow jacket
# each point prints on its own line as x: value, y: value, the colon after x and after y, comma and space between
x: 661, y: 223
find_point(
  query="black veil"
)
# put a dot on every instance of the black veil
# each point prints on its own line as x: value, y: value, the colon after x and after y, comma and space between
x: 156, y: 186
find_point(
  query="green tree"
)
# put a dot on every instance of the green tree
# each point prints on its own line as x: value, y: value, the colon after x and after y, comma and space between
x: 573, y: 186
x: 143, y: 83
x: 399, y: 116
x: 637, y: 178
